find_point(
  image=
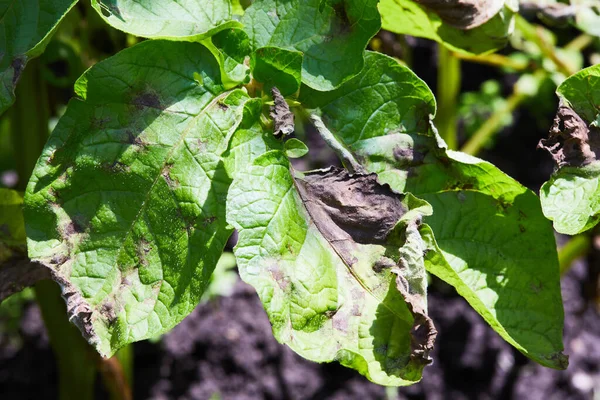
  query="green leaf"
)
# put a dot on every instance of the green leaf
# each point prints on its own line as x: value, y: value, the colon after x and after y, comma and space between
x: 187, y: 20
x: 12, y: 226
x: 337, y: 260
x: 277, y: 67
x: 497, y: 248
x: 126, y: 204
x: 232, y: 48
x: 331, y: 34
x: 25, y: 29
x: 410, y: 18
x: 571, y: 198
x: 295, y: 148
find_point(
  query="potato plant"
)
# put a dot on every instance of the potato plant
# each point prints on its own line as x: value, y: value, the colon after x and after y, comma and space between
x: 170, y: 145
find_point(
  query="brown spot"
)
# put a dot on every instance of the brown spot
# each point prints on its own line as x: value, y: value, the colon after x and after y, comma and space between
x: 383, y: 263
x: 283, y: 118
x: 18, y: 65
x: 571, y: 141
x: 279, y: 277
x: 142, y: 249
x: 59, y: 259
x: 222, y: 107
x: 99, y: 123
x: 366, y: 213
x: 408, y: 156
x: 463, y: 14
x: 72, y: 228
x: 330, y: 313
x: 209, y: 220
x: 167, y: 175
x: 147, y: 99
x: 522, y: 228
x: 108, y: 311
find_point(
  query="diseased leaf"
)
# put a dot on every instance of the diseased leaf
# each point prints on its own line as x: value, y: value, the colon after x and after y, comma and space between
x: 330, y: 34
x: 126, y: 205
x: 584, y: 14
x: 571, y: 198
x: 337, y: 260
x: 188, y: 20
x: 481, y: 29
x: 25, y: 29
x: 283, y: 118
x: 464, y: 14
x: 277, y: 67
x: 497, y: 249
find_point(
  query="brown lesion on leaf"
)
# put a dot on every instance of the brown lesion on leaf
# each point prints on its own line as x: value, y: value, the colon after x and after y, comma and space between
x: 571, y: 141
x: 166, y: 173
x: 142, y: 250
x: 147, y: 99
x: 18, y: 65
x: 464, y: 14
x: 350, y: 206
x: 107, y: 310
x: 18, y: 273
x: 283, y: 118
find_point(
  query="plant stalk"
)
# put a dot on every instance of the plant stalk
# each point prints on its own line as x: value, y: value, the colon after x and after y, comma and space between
x: 492, y: 125
x: 577, y: 247
x: 495, y: 60
x: 448, y: 87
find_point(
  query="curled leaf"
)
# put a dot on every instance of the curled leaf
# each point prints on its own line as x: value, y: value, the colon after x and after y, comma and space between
x: 464, y: 14
x: 338, y: 262
x: 283, y: 118
x: 571, y: 197
x: 572, y: 142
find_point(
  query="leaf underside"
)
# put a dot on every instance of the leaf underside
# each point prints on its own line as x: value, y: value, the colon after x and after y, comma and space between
x: 497, y: 249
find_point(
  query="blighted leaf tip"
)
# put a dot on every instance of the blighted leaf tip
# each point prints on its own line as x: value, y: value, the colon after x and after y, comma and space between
x: 283, y: 118
x: 571, y: 142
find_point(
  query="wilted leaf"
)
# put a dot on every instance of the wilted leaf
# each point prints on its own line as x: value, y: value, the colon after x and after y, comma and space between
x: 25, y: 29
x: 283, y: 118
x: 476, y: 29
x: 126, y: 205
x: 167, y: 19
x: 337, y: 260
x: 497, y: 249
x: 571, y: 198
x: 330, y: 34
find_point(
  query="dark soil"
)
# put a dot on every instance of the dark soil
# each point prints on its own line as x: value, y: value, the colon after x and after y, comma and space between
x: 226, y: 347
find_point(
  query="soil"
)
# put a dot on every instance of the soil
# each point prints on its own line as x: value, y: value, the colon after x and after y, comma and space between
x: 225, y: 348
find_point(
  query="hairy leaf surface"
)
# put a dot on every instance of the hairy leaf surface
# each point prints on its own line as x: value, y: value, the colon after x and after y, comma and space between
x: 126, y: 203
x: 483, y: 27
x: 571, y: 198
x: 25, y: 29
x: 330, y: 34
x: 337, y: 260
x: 167, y: 19
x: 498, y: 249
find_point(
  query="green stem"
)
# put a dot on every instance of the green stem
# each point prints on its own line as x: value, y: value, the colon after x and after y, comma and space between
x: 448, y: 87
x: 495, y: 60
x: 492, y: 125
x: 535, y: 34
x: 77, y: 360
x: 580, y: 42
x: 576, y: 247
x: 29, y: 120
